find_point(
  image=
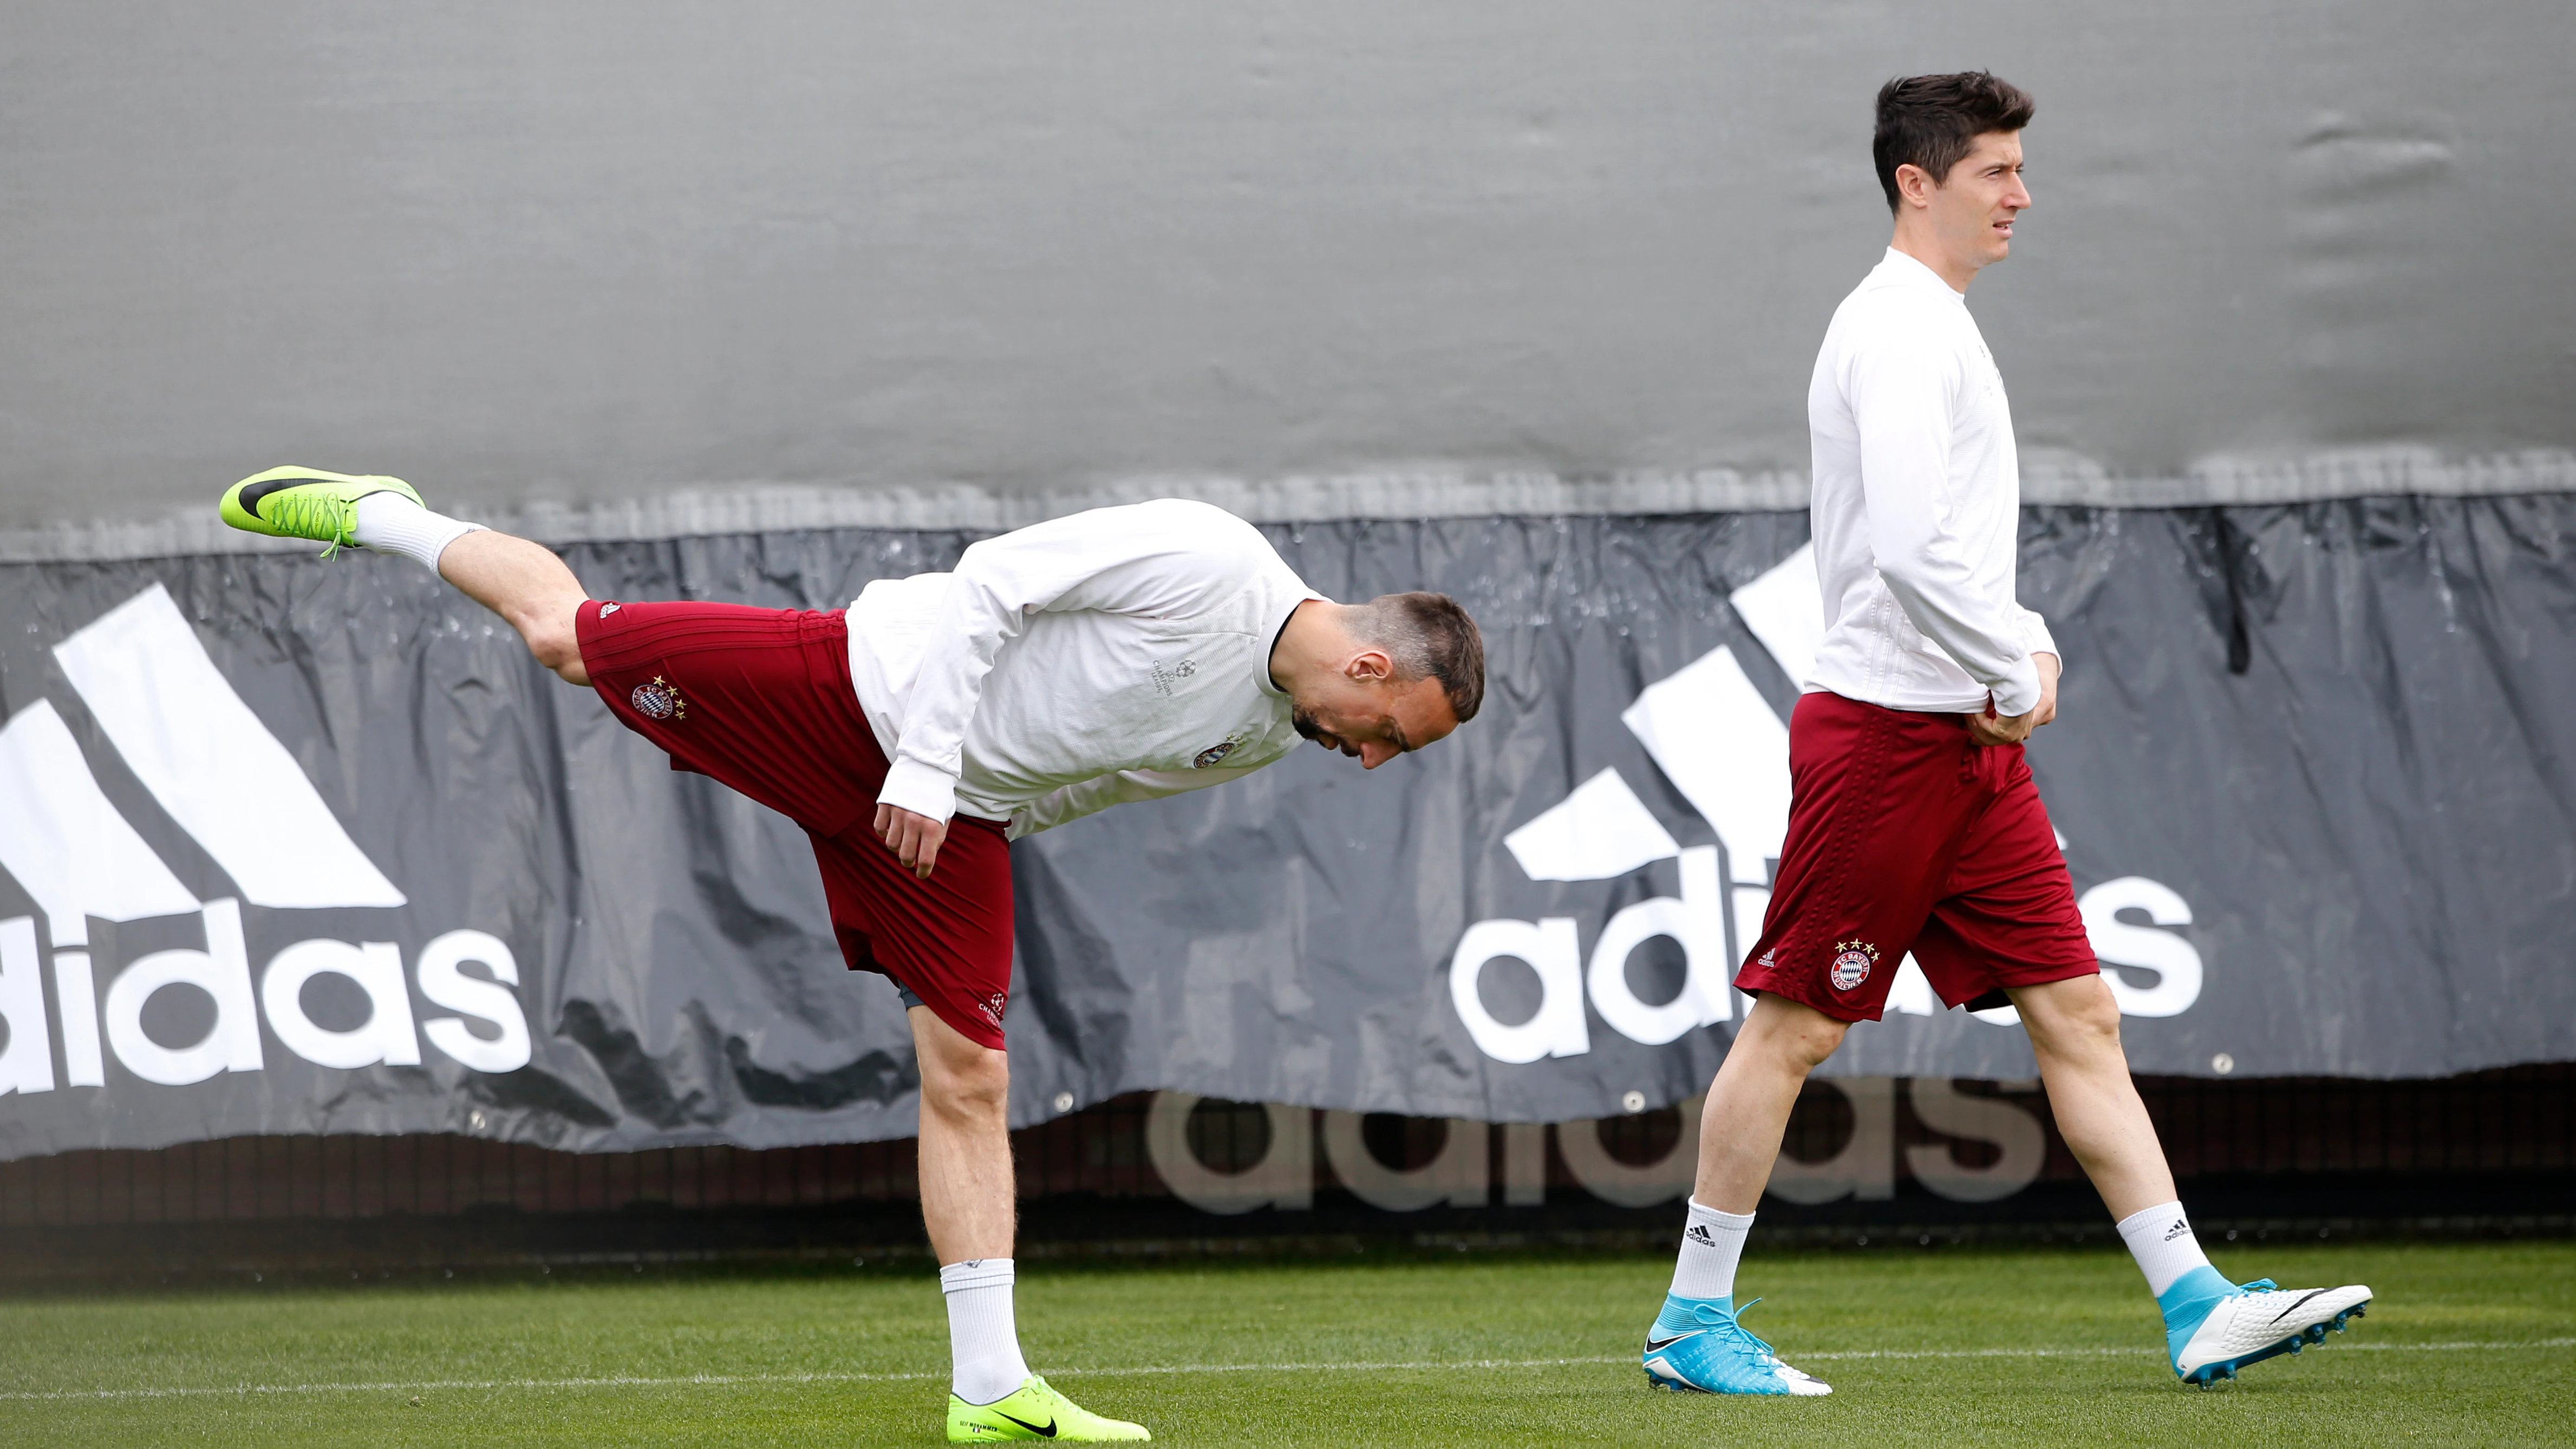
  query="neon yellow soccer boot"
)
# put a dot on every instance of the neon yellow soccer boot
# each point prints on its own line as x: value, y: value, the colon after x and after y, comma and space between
x: 1034, y: 1411
x: 305, y: 503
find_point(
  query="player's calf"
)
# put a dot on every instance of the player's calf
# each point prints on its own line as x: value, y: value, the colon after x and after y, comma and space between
x: 529, y: 586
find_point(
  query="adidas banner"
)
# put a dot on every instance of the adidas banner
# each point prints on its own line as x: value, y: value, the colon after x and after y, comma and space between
x: 289, y: 846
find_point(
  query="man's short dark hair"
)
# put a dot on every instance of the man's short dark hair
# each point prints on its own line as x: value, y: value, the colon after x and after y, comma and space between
x: 1933, y: 121
x: 1429, y: 636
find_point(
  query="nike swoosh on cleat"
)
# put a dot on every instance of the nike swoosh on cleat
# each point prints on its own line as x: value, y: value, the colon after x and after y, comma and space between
x: 1046, y: 1433
x: 2293, y: 1308
x: 249, y: 498
x: 1653, y: 1344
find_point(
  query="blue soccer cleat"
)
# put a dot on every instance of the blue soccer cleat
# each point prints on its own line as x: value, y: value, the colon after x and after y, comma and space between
x: 1697, y: 1347
x: 2214, y: 1327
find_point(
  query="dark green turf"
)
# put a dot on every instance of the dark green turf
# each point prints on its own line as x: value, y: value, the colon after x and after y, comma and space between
x: 488, y: 1363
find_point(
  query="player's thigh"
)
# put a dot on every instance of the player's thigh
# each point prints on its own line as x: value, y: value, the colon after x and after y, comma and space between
x: 1879, y: 803
x: 2008, y: 915
x: 758, y: 699
x: 946, y: 939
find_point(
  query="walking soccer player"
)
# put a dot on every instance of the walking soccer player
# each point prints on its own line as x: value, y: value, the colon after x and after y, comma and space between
x: 1116, y: 655
x: 1913, y: 822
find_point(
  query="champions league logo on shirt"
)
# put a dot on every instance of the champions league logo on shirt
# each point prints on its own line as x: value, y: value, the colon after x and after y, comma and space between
x: 1852, y: 960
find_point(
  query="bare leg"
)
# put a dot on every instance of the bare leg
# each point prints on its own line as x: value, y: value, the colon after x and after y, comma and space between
x: 2074, y: 1030
x: 1748, y: 1105
x: 967, y: 1196
x: 527, y: 585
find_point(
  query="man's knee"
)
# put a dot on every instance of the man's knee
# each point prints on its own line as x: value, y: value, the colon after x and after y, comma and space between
x: 551, y: 635
x: 2076, y: 1014
x: 960, y: 1079
x: 1796, y: 1034
x: 970, y: 1090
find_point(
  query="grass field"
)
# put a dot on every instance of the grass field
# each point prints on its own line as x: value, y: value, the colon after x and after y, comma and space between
x: 2465, y: 1345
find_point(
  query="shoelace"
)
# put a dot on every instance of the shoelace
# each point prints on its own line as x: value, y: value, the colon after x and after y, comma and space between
x: 1725, y: 1324
x: 1054, y: 1400
x: 298, y: 512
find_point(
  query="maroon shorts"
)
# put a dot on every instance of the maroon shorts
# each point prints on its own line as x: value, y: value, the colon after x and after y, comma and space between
x: 760, y: 699
x: 1904, y: 835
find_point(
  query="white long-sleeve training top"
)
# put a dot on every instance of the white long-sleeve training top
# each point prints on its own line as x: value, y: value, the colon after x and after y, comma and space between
x: 1917, y: 505
x: 1120, y: 654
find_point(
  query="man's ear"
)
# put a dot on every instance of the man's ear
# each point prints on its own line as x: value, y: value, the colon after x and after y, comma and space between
x: 1370, y: 665
x: 1914, y: 184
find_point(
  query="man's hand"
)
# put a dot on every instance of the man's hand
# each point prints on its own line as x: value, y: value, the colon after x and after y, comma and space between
x: 914, y: 839
x: 1987, y: 729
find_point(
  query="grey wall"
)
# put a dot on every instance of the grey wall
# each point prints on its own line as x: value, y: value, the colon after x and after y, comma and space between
x: 601, y: 250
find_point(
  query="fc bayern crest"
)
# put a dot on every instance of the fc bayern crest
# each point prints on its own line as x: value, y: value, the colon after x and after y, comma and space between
x: 659, y: 699
x: 1213, y: 753
x: 1852, y: 960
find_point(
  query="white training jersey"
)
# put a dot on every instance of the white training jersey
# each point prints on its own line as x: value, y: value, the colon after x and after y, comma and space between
x: 1917, y: 505
x: 1115, y: 655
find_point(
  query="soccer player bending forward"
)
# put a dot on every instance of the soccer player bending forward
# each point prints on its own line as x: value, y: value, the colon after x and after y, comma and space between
x: 1117, y: 655
x: 1914, y: 824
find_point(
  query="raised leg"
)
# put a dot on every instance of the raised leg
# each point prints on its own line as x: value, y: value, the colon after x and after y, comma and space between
x: 526, y: 584
x: 2074, y: 1030
x: 1748, y: 1105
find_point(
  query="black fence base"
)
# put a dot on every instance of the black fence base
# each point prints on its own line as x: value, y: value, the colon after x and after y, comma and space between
x: 887, y: 1236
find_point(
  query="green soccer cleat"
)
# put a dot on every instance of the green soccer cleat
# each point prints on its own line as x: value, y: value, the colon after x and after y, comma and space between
x: 1034, y: 1411
x: 305, y: 503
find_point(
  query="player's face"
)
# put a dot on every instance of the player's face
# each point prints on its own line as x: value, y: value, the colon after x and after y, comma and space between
x: 1974, y: 209
x: 1374, y: 720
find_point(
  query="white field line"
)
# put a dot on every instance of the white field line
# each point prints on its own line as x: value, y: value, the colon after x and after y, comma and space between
x: 625, y: 1381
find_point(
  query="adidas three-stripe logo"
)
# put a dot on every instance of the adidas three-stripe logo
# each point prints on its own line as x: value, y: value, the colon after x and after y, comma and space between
x: 188, y: 738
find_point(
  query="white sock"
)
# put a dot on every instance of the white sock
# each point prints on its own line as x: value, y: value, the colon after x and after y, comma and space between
x: 391, y: 523
x: 983, y: 1335
x: 1711, y: 1244
x: 2162, y: 1241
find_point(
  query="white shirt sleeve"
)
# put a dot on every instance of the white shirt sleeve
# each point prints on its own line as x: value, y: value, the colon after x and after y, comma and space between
x: 1125, y: 787
x: 1165, y: 558
x: 1901, y: 397
x: 2036, y: 638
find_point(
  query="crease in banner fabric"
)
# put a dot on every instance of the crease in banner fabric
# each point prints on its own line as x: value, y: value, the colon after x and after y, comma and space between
x: 288, y: 847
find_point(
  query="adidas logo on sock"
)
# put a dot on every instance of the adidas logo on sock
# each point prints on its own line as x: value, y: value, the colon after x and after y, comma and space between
x: 1700, y: 1234
x: 2180, y: 1229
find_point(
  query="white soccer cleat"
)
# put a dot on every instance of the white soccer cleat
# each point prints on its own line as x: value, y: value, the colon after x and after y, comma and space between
x: 2213, y: 1327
